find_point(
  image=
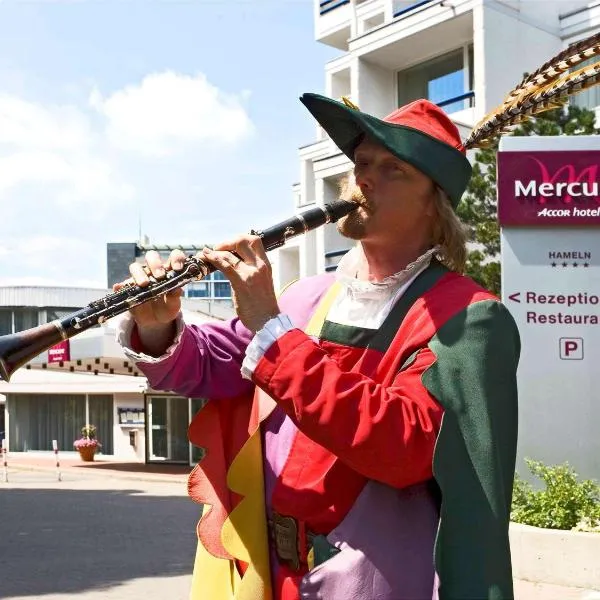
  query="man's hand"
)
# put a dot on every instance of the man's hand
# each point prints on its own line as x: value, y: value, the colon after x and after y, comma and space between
x: 163, y: 309
x: 251, y: 278
x: 155, y: 319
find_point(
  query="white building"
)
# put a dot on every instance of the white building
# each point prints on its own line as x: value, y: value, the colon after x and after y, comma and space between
x: 464, y: 55
x: 90, y: 380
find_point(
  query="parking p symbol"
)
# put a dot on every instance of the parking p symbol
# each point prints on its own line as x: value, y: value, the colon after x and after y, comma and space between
x: 571, y: 348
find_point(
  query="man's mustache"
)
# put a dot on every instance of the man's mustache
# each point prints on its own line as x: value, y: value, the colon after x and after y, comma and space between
x: 358, y: 197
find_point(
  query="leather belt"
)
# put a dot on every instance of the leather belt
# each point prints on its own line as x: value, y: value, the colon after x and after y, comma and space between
x: 292, y: 540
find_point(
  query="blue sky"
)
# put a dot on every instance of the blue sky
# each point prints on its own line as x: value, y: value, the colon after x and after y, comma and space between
x: 183, y: 113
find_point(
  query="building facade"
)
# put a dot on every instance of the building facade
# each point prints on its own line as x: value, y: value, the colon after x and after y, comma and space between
x: 88, y: 379
x: 464, y: 55
x: 213, y: 290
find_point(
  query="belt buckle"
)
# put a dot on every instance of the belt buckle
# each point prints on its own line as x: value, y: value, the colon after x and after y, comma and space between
x: 285, y: 531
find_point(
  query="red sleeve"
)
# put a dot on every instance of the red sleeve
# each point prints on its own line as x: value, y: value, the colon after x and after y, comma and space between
x: 384, y: 433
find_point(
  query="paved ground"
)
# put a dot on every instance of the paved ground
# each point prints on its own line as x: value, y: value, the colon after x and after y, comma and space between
x: 114, y: 531
x: 95, y: 538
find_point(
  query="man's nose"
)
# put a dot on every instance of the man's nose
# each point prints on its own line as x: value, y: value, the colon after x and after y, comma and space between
x: 364, y: 179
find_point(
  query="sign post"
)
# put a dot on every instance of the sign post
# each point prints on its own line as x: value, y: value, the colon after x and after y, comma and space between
x: 4, y: 461
x: 549, y: 214
x: 55, y: 449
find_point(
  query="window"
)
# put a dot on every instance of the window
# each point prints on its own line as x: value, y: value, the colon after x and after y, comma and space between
x: 446, y: 80
x: 37, y: 419
x: 197, y: 290
x: 25, y: 318
x: 5, y: 322
x: 326, y: 6
x: 401, y: 7
x: 589, y: 99
x: 222, y: 289
x: 17, y: 319
x: 216, y: 285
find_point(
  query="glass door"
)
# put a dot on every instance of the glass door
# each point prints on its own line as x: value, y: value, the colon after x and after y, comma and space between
x: 167, y: 429
x: 196, y: 452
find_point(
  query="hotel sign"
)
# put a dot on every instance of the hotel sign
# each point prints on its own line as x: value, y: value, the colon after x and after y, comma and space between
x: 549, y: 213
x: 549, y: 188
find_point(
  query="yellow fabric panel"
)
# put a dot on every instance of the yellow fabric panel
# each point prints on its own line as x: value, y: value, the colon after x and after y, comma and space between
x: 316, y: 322
x: 213, y: 577
x: 244, y: 533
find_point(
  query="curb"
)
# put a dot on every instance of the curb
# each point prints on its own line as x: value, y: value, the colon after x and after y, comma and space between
x: 554, y: 556
x: 107, y: 474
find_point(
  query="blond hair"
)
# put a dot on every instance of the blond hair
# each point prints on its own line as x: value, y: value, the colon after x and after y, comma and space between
x: 450, y: 234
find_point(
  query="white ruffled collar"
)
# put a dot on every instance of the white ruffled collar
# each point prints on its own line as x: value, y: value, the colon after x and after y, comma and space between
x: 348, y: 267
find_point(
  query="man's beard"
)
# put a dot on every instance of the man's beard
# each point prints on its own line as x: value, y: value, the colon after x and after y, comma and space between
x: 354, y: 224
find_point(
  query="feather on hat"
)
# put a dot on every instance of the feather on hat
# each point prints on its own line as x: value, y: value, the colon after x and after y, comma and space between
x: 423, y: 135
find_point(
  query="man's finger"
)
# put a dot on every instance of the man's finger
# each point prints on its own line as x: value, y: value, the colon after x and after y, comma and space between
x: 155, y: 264
x: 176, y: 260
x: 248, y: 247
x: 225, y: 261
x: 138, y: 274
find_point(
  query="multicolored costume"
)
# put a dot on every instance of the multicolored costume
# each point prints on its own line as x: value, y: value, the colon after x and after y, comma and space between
x: 442, y: 367
x: 359, y: 462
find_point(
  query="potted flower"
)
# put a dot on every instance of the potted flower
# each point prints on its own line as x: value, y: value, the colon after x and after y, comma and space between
x: 87, y: 445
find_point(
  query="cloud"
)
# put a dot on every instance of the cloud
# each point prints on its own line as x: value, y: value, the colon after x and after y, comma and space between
x: 89, y: 170
x: 97, y: 154
x: 33, y: 126
x: 56, y: 149
x: 168, y: 110
x: 52, y: 260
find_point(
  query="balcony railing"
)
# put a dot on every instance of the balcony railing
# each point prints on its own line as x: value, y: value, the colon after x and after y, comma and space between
x: 466, y: 96
x: 405, y: 9
x: 326, y: 6
x: 333, y: 254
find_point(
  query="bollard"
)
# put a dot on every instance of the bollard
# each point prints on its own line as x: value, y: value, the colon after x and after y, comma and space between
x: 55, y: 448
x: 4, y: 461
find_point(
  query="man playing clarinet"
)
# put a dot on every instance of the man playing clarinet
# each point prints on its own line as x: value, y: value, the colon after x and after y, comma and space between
x: 360, y: 436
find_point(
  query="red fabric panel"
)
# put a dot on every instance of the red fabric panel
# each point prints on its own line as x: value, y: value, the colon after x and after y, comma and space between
x: 429, y: 118
x: 384, y: 432
x: 380, y: 423
x: 287, y: 586
x: 222, y: 428
x: 316, y: 486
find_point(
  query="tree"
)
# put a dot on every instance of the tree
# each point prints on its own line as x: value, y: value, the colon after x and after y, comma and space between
x: 478, y: 206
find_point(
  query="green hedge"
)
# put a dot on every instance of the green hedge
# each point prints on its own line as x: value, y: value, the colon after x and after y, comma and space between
x: 565, y: 503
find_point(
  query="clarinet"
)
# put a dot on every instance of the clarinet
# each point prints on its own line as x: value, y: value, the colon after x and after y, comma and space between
x: 19, y: 348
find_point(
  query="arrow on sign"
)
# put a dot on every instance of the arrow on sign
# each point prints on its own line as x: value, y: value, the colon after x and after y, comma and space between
x: 515, y: 297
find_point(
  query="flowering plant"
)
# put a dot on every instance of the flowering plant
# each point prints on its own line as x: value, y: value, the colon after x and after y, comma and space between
x: 88, y: 438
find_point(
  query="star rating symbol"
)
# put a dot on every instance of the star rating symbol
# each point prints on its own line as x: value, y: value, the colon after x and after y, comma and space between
x: 574, y: 264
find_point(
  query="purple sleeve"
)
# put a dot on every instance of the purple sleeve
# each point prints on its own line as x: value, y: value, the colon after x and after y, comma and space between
x: 205, y: 364
x: 207, y: 360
